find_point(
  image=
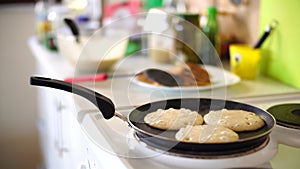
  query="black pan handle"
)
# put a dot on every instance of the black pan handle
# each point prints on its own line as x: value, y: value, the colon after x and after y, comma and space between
x: 104, y: 104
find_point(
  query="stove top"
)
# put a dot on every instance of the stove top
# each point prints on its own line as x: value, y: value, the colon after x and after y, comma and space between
x: 123, y: 143
x: 196, y: 152
x: 285, y: 109
x: 287, y: 115
x: 259, y: 156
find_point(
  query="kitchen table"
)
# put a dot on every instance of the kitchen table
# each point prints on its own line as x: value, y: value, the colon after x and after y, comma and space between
x: 74, y: 135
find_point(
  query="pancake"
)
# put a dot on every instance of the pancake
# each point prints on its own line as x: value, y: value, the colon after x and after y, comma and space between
x: 191, y: 74
x: 237, y: 120
x: 206, y: 134
x: 173, y: 119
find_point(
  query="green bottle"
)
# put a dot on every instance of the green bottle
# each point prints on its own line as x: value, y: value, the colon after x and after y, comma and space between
x: 211, y: 27
x: 188, y: 35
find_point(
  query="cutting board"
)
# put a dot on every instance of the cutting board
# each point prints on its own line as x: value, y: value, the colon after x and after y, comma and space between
x: 281, y: 51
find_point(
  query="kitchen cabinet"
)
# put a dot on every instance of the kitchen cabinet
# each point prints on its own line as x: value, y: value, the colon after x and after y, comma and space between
x: 60, y: 135
x: 74, y: 135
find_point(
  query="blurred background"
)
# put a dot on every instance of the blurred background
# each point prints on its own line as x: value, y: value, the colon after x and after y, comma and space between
x: 19, y: 141
x: 238, y: 21
x: 18, y: 111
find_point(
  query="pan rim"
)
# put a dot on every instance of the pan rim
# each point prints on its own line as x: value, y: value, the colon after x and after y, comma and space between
x: 270, y: 116
x: 204, y: 150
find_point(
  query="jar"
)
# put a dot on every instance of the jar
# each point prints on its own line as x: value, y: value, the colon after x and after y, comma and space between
x: 187, y: 41
x: 160, y: 35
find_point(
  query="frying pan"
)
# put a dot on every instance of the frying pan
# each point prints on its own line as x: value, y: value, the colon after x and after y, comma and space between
x: 165, y: 139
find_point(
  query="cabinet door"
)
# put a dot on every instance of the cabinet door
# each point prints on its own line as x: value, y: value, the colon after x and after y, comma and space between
x: 70, y: 144
x: 47, y: 126
x: 60, y: 133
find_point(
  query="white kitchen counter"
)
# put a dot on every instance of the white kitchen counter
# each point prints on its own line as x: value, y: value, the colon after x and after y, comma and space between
x: 58, y: 67
x: 261, y: 92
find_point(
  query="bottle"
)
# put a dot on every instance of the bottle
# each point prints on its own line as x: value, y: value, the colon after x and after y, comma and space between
x: 187, y: 44
x: 42, y: 25
x: 211, y: 27
x: 55, y: 15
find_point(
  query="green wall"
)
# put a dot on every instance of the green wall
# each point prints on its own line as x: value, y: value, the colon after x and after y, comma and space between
x: 281, y: 51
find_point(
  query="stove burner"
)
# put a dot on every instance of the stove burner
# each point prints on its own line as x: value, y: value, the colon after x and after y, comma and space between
x: 203, y: 155
x: 287, y: 115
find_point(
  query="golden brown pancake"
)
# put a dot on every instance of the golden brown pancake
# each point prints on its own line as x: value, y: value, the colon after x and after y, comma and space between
x: 173, y: 119
x: 237, y: 120
x: 206, y: 134
x: 191, y: 74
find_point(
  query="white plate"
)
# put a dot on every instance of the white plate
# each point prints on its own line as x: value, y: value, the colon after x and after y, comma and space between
x: 219, y: 78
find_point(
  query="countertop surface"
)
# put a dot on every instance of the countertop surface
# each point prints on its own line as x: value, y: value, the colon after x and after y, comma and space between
x: 58, y: 67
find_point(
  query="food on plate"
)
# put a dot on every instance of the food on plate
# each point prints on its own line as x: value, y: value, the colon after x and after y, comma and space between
x: 191, y: 74
x: 195, y: 75
x: 237, y: 120
x: 173, y: 119
x: 206, y: 134
x: 142, y: 77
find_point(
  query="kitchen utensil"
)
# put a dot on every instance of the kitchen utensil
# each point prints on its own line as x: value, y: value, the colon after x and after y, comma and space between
x: 96, y: 77
x: 156, y: 75
x: 163, y: 77
x: 75, y: 30
x: 267, y: 32
x: 165, y: 140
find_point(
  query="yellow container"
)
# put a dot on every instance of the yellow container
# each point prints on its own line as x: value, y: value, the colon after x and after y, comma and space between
x: 244, y: 61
